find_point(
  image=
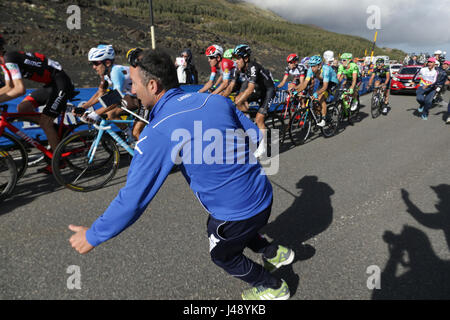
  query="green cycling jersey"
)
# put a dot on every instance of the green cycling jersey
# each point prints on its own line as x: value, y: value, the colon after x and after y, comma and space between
x: 348, y: 72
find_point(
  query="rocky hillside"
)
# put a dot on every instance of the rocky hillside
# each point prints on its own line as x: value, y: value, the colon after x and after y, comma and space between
x: 40, y: 25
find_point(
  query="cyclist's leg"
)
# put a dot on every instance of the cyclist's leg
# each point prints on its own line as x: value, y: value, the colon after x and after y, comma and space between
x: 62, y: 88
x: 31, y: 102
x: 264, y: 107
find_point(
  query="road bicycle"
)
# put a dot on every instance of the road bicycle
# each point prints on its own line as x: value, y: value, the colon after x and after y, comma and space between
x: 343, y: 102
x: 377, y: 101
x: 8, y: 174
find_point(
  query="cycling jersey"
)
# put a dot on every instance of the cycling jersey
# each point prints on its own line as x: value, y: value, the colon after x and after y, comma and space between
x: 327, y: 74
x: 428, y: 77
x: 298, y: 72
x: 259, y: 76
x: 350, y: 71
x: 226, y: 67
x: 381, y: 72
x: 33, y: 66
x: 118, y: 79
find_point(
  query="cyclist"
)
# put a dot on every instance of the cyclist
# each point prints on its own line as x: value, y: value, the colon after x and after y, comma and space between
x: 328, y: 82
x: 218, y: 64
x: 381, y: 75
x: 111, y: 75
x: 328, y: 58
x: 298, y: 71
x: 349, y: 71
x: 57, y: 90
x: 258, y: 84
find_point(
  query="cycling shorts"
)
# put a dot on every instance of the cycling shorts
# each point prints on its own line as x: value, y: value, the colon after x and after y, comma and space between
x: 53, y: 95
x: 263, y: 97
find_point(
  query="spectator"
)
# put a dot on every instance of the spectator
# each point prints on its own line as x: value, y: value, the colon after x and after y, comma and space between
x: 426, y: 91
x: 186, y: 71
x: 413, y: 61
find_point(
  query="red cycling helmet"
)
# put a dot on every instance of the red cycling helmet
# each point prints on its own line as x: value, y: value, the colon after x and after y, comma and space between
x: 214, y: 51
x: 292, y: 58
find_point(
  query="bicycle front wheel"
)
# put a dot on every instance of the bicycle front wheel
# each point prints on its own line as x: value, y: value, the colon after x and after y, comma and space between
x: 299, y: 127
x: 332, y: 122
x: 375, y: 106
x: 16, y: 150
x: 8, y: 174
x: 72, y: 164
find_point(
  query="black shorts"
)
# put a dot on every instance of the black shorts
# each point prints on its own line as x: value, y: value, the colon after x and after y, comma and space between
x: 263, y: 96
x: 53, y: 95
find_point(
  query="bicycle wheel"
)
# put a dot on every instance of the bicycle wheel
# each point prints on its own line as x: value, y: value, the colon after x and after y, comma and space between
x: 276, y: 122
x: 299, y: 127
x: 375, y: 106
x: 8, y: 174
x: 332, y: 122
x: 16, y: 150
x: 71, y: 166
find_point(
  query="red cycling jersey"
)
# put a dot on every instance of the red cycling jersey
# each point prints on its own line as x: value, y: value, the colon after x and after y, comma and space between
x: 226, y: 66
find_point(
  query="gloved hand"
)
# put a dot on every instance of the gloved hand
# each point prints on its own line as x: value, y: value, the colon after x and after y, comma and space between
x: 90, y: 117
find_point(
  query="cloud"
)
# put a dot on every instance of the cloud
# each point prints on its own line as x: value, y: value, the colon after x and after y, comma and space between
x: 404, y: 23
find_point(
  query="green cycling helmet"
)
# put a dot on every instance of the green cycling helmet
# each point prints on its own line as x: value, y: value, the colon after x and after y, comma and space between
x: 228, y: 54
x: 346, y: 56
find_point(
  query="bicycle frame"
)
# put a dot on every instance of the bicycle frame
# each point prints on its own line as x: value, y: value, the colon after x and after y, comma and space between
x: 5, y: 124
x: 105, y: 126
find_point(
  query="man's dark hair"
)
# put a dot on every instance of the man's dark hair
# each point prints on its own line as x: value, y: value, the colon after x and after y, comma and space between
x: 157, y: 65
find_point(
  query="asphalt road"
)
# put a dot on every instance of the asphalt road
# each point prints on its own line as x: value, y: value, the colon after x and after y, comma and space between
x: 334, y: 199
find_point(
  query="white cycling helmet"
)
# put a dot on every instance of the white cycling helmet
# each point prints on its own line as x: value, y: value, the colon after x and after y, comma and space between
x: 214, y: 51
x: 328, y: 56
x: 439, y: 52
x: 102, y: 52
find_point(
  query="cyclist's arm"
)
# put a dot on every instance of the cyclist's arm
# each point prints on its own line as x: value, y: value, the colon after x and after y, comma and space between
x: 244, y: 96
x: 355, y: 78
x: 17, y: 90
x: 283, y: 82
x: 228, y: 90
x: 323, y: 89
x: 222, y: 86
x: 139, y: 190
x: 302, y: 86
x: 388, y: 77
x: 7, y: 87
x: 371, y: 79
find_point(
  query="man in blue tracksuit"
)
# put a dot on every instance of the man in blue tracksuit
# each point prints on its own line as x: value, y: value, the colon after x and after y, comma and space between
x: 229, y: 182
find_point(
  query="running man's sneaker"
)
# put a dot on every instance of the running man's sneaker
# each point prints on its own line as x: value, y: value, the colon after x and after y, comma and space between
x: 263, y: 293
x: 420, y: 109
x: 284, y: 257
x: 424, y: 117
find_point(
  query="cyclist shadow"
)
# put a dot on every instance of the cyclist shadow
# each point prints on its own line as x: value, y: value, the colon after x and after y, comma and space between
x: 413, y: 270
x: 439, y: 220
x: 28, y: 188
x: 309, y: 215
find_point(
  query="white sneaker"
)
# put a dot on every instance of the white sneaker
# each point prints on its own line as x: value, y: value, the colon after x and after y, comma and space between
x: 261, y: 149
x: 385, y: 110
x: 322, y: 123
x: 448, y: 120
x: 354, y: 106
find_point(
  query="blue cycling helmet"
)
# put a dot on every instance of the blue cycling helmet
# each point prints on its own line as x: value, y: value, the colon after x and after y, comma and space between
x: 304, y: 60
x: 242, y: 51
x: 315, y: 61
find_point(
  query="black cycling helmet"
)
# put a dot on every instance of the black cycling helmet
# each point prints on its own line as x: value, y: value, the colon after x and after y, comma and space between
x: 379, y: 61
x: 242, y: 51
x: 132, y: 56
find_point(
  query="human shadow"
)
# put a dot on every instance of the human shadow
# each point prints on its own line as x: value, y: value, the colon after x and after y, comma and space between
x: 425, y: 275
x: 439, y: 220
x: 310, y: 214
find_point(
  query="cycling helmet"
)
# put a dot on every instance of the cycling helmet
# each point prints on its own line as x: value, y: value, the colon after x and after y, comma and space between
x: 328, y: 56
x: 214, y: 51
x: 379, y: 61
x: 228, y: 54
x: 102, y: 52
x: 242, y: 51
x: 315, y: 61
x: 346, y: 56
x: 439, y: 52
x: 292, y: 58
x: 132, y: 56
x: 304, y: 60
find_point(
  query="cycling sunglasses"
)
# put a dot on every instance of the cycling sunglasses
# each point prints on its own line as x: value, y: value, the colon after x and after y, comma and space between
x: 97, y: 63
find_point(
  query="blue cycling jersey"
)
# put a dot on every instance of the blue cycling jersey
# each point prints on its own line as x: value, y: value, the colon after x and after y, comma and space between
x: 119, y: 79
x: 183, y: 127
x: 327, y: 74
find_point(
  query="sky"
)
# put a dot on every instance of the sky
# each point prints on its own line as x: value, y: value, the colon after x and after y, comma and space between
x: 409, y: 25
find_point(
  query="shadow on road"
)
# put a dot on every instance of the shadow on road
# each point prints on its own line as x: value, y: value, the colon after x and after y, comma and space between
x: 439, y: 220
x: 413, y: 270
x: 309, y: 215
